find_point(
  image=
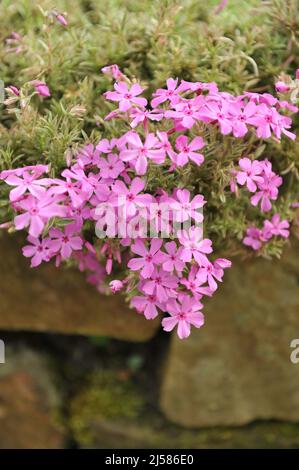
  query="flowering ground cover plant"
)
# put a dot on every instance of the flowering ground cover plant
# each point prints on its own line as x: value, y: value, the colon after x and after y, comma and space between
x: 179, y: 177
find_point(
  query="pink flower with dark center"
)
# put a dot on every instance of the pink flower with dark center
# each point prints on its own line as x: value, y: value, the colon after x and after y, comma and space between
x: 276, y: 227
x: 194, y: 284
x: 218, y: 112
x: 38, y: 251
x: 149, y: 258
x: 172, y: 260
x: 111, y: 167
x: 126, y: 97
x: 212, y: 271
x: 186, y: 112
x: 268, y: 189
x: 166, y: 145
x: 37, y: 213
x: 162, y: 284
x: 138, y: 152
x: 241, y: 115
x: 147, y: 304
x: 130, y: 199
x: 66, y: 186
x: 65, y: 241
x: 171, y: 93
x: 250, y: 173
x: 88, y: 183
x: 140, y: 115
x: 27, y: 182
x: 183, y: 315
x: 194, y: 246
x: 183, y: 209
x: 88, y: 156
x: 254, y: 238
x: 188, y: 151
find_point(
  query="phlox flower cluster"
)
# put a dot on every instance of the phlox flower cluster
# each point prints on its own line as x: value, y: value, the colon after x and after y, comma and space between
x: 168, y: 272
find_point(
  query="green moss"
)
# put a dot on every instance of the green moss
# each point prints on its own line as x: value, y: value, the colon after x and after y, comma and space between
x: 104, y: 396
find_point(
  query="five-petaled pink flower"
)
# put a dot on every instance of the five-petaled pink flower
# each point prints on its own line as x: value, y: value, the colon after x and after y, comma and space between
x: 149, y: 258
x: 183, y: 315
x: 126, y: 97
x: 194, y: 246
x: 37, y: 212
x: 188, y: 151
x: 250, y: 173
x: 65, y: 241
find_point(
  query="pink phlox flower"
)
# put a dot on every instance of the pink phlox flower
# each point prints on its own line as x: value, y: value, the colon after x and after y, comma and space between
x: 88, y: 156
x: 141, y: 115
x: 41, y: 88
x: 183, y: 315
x: 88, y: 183
x: 37, y: 212
x: 149, y: 258
x: 130, y: 198
x: 166, y: 145
x: 240, y: 117
x: 138, y: 152
x: 171, y: 93
x: 73, y: 190
x: 116, y: 286
x: 37, y: 170
x: 254, y: 238
x: 198, y: 87
x: 195, y: 284
x: 38, y: 250
x: 172, y: 260
x: 107, y: 146
x: 188, y: 150
x: 276, y: 227
x: 185, y: 209
x: 250, y: 173
x: 114, y: 72
x: 126, y: 97
x: 268, y: 189
x: 212, y: 271
x: 27, y: 181
x: 194, y: 246
x: 162, y: 284
x: 65, y: 241
x: 186, y: 112
x: 111, y: 167
x: 146, y: 304
x: 79, y: 214
x: 220, y: 113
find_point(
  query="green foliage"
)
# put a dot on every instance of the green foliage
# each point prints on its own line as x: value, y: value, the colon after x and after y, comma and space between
x: 244, y: 48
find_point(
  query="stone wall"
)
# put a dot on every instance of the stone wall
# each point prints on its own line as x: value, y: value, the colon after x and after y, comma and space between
x: 233, y: 371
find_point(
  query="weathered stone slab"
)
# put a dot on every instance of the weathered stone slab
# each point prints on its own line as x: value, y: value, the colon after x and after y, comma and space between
x: 237, y: 368
x: 28, y: 403
x: 60, y: 300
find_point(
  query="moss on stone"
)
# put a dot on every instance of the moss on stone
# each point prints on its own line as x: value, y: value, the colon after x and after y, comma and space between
x: 105, y: 396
